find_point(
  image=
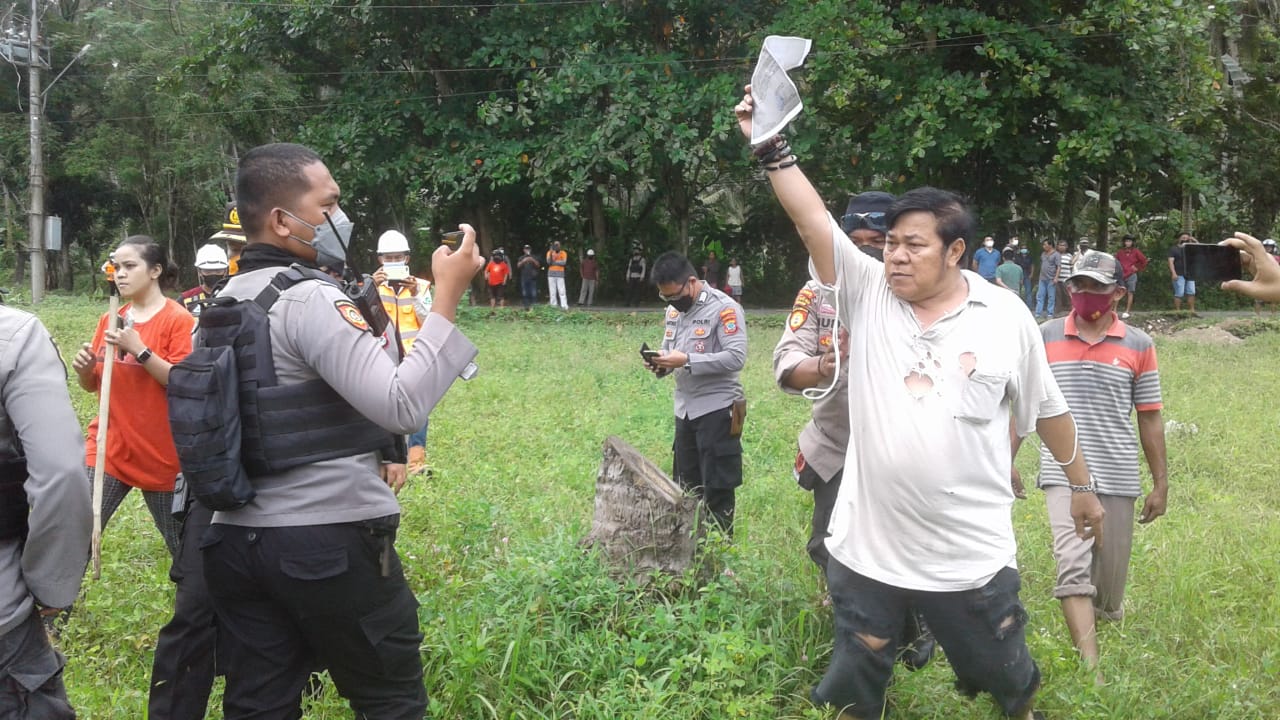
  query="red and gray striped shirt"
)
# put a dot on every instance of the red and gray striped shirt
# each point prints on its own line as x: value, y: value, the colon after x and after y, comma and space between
x: 1104, y: 382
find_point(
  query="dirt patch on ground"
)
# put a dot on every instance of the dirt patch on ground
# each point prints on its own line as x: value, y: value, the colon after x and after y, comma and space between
x: 1160, y: 324
x: 1208, y: 336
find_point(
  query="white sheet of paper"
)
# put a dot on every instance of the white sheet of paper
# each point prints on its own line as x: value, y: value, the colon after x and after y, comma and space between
x: 776, y: 100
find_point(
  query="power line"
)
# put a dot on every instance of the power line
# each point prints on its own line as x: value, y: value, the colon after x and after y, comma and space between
x: 476, y: 6
x: 958, y: 42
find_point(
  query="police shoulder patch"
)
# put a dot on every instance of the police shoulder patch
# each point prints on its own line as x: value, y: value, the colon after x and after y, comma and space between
x: 729, y: 321
x: 673, y: 313
x: 351, y: 314
x: 797, y: 319
x: 804, y: 298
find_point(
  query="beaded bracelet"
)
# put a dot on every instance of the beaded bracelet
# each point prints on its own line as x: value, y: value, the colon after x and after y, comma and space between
x: 768, y: 147
x: 784, y: 164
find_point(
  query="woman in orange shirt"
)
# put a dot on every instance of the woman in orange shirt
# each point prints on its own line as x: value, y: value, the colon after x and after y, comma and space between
x: 151, y: 334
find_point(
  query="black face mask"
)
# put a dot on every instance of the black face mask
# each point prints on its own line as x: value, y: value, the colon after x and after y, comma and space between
x: 682, y: 304
x: 208, y: 281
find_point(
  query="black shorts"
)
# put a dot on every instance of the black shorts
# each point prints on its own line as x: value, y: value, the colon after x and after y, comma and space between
x: 495, y: 292
x: 982, y: 631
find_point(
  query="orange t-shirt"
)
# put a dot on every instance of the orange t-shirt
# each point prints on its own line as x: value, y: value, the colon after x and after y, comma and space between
x: 140, y: 450
x: 497, y: 273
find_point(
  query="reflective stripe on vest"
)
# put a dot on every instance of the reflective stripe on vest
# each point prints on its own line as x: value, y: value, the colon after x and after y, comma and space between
x: 400, y: 306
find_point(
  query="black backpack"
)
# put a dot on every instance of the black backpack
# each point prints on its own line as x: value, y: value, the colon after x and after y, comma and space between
x: 219, y: 394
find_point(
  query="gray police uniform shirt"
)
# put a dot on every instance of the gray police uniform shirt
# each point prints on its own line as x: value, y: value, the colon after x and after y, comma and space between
x: 37, y: 413
x: 809, y: 333
x: 316, y: 333
x: 714, y: 336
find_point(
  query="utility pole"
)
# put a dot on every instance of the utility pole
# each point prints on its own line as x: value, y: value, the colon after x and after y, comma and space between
x: 35, y: 106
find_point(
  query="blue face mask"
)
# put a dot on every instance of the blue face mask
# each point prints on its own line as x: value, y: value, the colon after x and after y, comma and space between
x: 330, y: 239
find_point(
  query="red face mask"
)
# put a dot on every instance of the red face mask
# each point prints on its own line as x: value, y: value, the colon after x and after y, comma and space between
x: 1090, y: 306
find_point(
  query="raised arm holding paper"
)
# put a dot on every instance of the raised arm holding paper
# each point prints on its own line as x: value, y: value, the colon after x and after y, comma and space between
x: 943, y: 361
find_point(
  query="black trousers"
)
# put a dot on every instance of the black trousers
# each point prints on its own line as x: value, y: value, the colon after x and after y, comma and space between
x: 635, y: 290
x: 708, y: 462
x: 824, y: 502
x: 31, y: 686
x: 289, y: 598
x: 183, y: 669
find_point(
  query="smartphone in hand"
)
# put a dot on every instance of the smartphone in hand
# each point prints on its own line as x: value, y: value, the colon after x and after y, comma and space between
x: 452, y: 239
x: 648, y: 354
x: 1211, y: 263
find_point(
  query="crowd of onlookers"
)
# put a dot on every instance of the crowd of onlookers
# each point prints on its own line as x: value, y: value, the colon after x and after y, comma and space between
x: 555, y: 262
x: 1042, y: 282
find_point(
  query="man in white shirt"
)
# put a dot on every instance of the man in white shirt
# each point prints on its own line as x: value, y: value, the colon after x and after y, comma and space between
x: 941, y: 361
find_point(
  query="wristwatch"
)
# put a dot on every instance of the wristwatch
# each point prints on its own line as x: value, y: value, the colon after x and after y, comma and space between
x: 143, y: 356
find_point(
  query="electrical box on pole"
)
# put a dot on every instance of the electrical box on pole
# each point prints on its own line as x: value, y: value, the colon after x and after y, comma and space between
x: 53, y: 233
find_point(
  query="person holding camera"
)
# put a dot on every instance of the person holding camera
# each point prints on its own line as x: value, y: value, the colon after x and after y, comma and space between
x: 407, y: 300
x: 557, y: 261
x: 1255, y: 257
x: 529, y: 268
x: 306, y: 573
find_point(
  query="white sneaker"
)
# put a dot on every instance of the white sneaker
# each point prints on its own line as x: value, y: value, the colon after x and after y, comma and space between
x: 1124, y: 316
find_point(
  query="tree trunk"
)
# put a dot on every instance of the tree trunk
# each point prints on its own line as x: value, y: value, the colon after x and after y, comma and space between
x: 19, y: 257
x: 595, y: 199
x: 65, y: 267
x: 644, y: 522
x: 1188, y: 209
x: 1067, y: 221
x: 1104, y: 211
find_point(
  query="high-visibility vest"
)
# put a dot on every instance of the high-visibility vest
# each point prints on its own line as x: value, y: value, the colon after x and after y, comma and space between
x: 399, y: 301
x: 556, y: 262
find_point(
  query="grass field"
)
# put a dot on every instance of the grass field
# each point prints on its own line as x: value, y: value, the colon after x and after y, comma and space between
x: 520, y: 623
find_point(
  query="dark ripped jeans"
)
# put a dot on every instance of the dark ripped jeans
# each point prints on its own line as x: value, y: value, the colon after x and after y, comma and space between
x: 981, y: 630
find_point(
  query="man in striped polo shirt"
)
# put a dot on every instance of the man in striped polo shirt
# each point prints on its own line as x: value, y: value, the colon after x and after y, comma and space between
x: 1106, y: 369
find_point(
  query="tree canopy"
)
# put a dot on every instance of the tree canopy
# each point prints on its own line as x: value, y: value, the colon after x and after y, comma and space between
x: 608, y: 124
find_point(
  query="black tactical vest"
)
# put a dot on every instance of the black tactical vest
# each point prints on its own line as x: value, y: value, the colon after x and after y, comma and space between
x: 225, y: 438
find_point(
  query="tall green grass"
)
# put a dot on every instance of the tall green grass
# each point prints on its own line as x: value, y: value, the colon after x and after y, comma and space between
x: 519, y: 622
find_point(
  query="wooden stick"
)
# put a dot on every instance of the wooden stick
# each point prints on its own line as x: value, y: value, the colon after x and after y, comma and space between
x: 104, y: 412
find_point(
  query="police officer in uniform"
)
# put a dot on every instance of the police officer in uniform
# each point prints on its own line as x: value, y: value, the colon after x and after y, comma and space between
x: 45, y: 516
x: 305, y: 573
x: 232, y: 235
x: 705, y: 346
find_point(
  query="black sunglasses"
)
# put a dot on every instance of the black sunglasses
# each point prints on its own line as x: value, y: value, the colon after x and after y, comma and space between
x: 870, y: 220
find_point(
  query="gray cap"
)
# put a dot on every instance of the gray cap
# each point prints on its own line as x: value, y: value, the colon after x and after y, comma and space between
x: 1098, y: 265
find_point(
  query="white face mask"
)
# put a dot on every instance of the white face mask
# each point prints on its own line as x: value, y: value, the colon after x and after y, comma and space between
x: 988, y: 243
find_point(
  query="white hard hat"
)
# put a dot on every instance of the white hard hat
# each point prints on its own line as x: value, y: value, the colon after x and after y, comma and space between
x: 591, y: 253
x: 392, y: 241
x: 211, y: 257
